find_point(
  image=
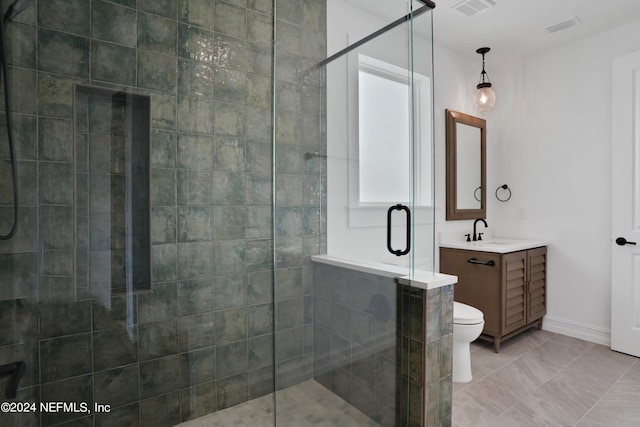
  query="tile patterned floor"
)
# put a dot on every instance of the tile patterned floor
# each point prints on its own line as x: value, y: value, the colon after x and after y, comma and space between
x: 538, y: 379
x: 304, y: 405
x: 545, y: 379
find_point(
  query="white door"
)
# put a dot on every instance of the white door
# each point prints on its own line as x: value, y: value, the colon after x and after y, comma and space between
x: 625, y: 227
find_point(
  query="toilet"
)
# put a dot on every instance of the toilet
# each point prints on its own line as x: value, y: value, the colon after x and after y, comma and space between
x: 467, y: 326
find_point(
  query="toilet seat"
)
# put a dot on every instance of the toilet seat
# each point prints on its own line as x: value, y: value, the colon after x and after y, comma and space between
x: 466, y: 315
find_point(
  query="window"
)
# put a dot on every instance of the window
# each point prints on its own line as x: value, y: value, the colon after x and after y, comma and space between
x: 385, y: 140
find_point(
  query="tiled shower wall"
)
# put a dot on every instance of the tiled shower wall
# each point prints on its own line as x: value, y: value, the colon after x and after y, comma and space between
x: 202, y: 339
x: 384, y: 346
x: 356, y: 340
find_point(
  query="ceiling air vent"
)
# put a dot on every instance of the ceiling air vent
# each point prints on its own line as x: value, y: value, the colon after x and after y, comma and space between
x: 567, y: 23
x: 471, y: 7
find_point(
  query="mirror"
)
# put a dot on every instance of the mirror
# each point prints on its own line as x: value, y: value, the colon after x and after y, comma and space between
x: 466, y: 171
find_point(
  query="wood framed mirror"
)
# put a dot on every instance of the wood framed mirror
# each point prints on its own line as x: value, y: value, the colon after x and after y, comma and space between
x: 466, y: 166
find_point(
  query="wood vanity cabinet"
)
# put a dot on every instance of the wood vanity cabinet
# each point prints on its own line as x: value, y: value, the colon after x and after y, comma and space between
x: 509, y: 289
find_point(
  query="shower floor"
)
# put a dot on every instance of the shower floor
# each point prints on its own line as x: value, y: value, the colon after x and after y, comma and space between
x: 305, y: 404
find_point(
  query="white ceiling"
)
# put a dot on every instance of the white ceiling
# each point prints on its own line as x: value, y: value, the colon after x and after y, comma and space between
x: 515, y: 27
x: 512, y: 28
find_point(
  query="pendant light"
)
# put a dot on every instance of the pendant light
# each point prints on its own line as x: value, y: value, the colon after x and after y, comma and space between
x: 485, y: 97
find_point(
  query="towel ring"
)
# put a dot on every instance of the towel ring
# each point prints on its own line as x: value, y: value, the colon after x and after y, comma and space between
x: 475, y: 195
x: 504, y: 187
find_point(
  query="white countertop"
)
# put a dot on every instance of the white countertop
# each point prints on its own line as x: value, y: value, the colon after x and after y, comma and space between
x: 501, y: 245
x: 428, y: 280
x: 418, y: 278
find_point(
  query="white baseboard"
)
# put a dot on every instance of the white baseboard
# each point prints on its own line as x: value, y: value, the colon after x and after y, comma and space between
x: 577, y: 330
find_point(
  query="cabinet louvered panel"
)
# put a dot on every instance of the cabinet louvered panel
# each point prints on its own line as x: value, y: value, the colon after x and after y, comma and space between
x: 514, y: 266
x: 537, y: 259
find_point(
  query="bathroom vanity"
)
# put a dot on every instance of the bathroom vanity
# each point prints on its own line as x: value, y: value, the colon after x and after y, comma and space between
x: 503, y: 278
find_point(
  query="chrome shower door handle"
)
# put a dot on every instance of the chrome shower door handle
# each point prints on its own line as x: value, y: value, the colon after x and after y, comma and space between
x: 399, y: 252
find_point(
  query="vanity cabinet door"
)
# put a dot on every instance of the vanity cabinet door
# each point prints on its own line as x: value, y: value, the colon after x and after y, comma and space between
x: 537, y: 284
x: 514, y: 291
x: 478, y: 283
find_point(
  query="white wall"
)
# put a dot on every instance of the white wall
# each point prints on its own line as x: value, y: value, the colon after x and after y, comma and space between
x: 549, y: 139
x: 455, y: 81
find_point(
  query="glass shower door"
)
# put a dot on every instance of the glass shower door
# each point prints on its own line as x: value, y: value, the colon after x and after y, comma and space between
x: 374, y: 162
x: 353, y: 198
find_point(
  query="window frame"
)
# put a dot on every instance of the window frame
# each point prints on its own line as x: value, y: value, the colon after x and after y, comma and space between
x: 422, y: 134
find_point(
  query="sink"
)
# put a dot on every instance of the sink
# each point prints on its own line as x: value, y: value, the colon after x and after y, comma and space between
x: 497, y: 245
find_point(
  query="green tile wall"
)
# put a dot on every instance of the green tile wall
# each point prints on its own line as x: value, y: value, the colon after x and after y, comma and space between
x: 202, y: 340
x: 426, y: 327
x: 384, y: 347
x: 356, y: 340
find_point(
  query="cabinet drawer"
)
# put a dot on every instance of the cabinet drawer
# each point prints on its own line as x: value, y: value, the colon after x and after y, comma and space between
x: 478, y: 284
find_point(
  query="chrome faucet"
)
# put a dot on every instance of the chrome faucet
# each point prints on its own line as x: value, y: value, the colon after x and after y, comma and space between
x: 477, y: 237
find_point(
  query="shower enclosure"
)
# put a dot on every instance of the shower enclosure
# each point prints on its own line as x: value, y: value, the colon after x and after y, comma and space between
x: 217, y: 202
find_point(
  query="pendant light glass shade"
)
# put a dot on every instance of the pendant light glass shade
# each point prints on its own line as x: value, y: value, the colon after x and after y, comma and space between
x: 485, y: 97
